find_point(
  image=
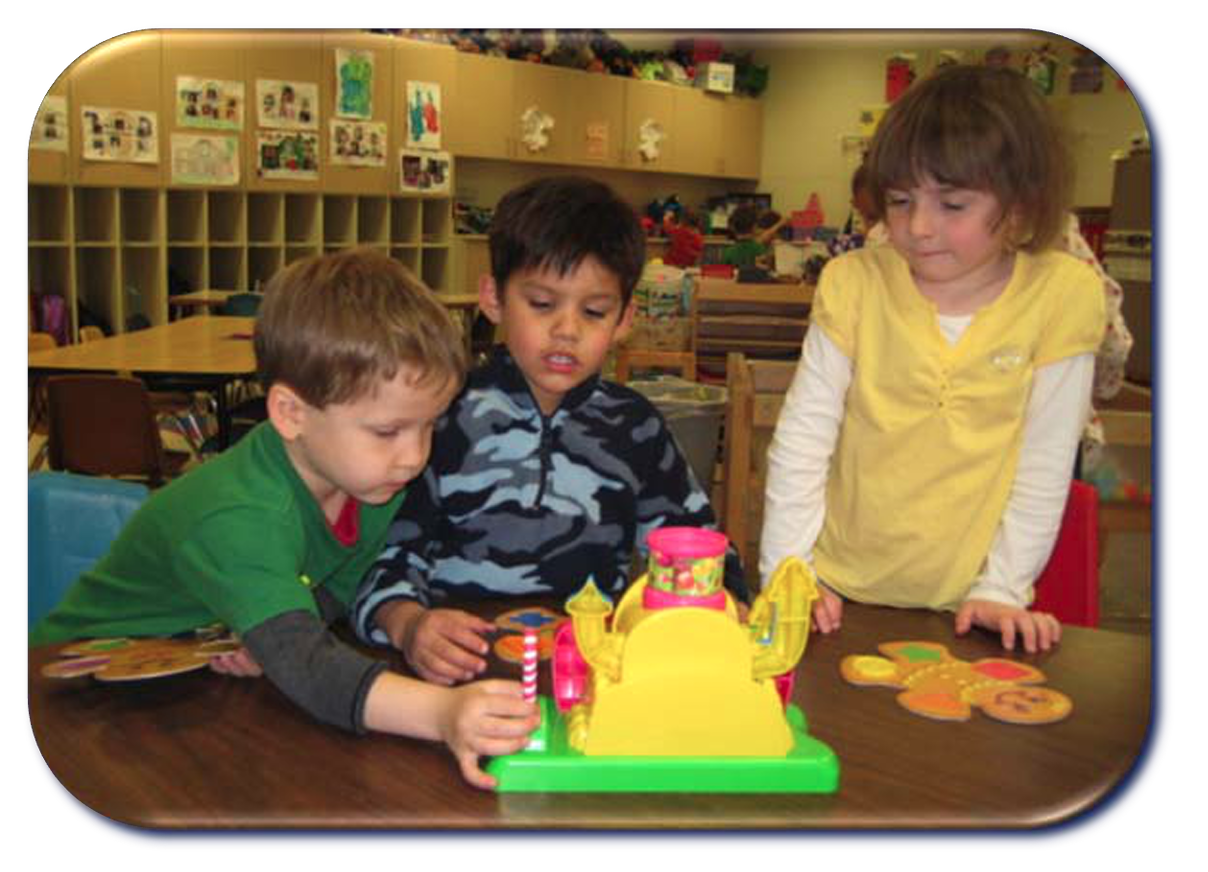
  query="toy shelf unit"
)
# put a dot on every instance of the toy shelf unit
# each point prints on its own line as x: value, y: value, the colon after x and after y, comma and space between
x: 670, y: 692
x: 120, y: 252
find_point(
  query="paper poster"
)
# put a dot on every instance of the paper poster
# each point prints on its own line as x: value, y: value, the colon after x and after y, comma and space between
x: 287, y: 105
x: 205, y: 160
x: 1040, y: 65
x: 357, y: 143
x: 209, y: 103
x: 899, y: 73
x: 423, y: 115
x: 119, y: 135
x: 869, y: 118
x: 425, y: 171
x: 354, y: 83
x: 50, y: 126
x: 1086, y: 73
x: 533, y: 126
x: 597, y: 141
x: 282, y: 154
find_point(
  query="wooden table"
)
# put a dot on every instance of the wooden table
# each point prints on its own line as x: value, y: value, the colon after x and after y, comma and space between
x: 208, y: 353
x: 204, y: 751
x: 204, y: 300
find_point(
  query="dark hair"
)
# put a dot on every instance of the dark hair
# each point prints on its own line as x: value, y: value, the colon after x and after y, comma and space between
x: 859, y: 179
x: 768, y: 219
x: 742, y: 219
x: 332, y: 326
x: 557, y: 222
x: 983, y: 128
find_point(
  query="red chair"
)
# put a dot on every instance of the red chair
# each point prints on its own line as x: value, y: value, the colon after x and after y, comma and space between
x: 1068, y: 587
x: 717, y: 271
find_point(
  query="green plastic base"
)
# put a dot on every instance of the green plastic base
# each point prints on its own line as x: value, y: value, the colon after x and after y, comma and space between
x: 548, y: 765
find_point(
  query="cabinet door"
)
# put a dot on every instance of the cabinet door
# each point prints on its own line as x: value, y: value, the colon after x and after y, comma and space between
x: 479, y: 112
x: 649, y: 103
x: 596, y: 120
x: 742, y: 137
x: 698, y: 128
x: 551, y: 91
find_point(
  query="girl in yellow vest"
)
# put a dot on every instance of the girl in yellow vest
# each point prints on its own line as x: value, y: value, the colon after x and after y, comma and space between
x: 926, y: 446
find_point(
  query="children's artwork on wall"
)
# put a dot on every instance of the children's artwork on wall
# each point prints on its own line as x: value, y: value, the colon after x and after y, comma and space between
x: 998, y: 56
x: 650, y: 139
x: 596, y: 135
x: 1040, y: 65
x: 209, y: 103
x: 354, y: 83
x: 869, y: 118
x: 423, y: 115
x: 205, y: 160
x: 899, y: 73
x: 533, y: 126
x: 949, y: 57
x: 282, y: 154
x: 50, y: 126
x: 424, y: 171
x: 357, y: 143
x: 287, y: 105
x: 119, y: 135
x: 1086, y: 73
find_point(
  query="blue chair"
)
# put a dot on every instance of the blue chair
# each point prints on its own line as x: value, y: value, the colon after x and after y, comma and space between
x: 244, y: 305
x: 72, y: 521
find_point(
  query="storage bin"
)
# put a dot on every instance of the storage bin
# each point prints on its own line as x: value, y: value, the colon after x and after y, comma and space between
x: 694, y: 414
x: 663, y: 299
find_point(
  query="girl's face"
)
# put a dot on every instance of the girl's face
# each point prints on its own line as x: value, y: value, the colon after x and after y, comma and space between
x: 558, y: 328
x: 955, y: 239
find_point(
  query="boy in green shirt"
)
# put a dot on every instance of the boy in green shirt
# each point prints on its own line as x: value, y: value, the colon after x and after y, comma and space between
x: 358, y: 362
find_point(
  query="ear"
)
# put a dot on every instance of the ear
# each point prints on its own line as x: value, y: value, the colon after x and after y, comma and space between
x: 286, y: 411
x: 626, y: 322
x: 489, y: 302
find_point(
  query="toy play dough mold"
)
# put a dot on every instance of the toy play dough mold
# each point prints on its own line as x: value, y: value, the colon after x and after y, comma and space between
x: 937, y: 685
x: 136, y: 659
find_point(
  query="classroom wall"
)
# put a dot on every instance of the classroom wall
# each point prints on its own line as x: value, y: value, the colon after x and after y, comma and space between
x: 816, y: 88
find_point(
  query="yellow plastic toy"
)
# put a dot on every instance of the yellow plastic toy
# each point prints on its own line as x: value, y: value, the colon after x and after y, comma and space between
x: 675, y: 690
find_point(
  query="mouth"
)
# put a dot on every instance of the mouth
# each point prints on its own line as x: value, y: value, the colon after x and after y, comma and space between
x: 561, y: 362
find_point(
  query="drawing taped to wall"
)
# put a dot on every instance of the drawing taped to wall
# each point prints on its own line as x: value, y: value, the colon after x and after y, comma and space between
x: 205, y: 160
x: 357, y: 143
x: 50, y: 126
x: 282, y: 154
x: 354, y: 83
x: 209, y: 103
x: 129, y: 135
x: 427, y: 172
x: 287, y: 105
x: 423, y: 115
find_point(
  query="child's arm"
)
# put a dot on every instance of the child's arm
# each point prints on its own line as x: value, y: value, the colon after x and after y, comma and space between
x: 1054, y: 420
x: 487, y: 718
x: 443, y: 646
x: 763, y: 237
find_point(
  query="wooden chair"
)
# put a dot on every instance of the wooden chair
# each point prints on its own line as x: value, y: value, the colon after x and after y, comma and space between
x: 757, y: 390
x: 91, y: 333
x: 1130, y: 429
x: 36, y: 410
x: 630, y: 359
x: 105, y: 425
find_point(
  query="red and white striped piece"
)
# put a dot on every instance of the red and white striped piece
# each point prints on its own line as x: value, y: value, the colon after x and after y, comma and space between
x: 529, y: 680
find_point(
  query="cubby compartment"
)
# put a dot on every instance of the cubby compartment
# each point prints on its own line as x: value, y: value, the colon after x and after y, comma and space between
x: 435, y: 268
x: 226, y: 269
x: 96, y: 215
x: 262, y: 264
x: 97, y: 286
x: 49, y: 214
x: 186, y: 216
x: 302, y: 218
x: 186, y: 269
x: 298, y: 252
x: 408, y: 256
x: 436, y: 220
x: 140, y: 215
x: 404, y: 220
x: 225, y: 219
x: 339, y: 220
x: 141, y: 274
x: 50, y: 271
x: 265, y: 218
x: 373, y: 220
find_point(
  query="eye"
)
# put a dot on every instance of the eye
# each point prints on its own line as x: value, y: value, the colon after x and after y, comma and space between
x: 952, y: 206
x: 596, y: 313
x: 896, y: 198
x: 539, y: 305
x: 385, y: 432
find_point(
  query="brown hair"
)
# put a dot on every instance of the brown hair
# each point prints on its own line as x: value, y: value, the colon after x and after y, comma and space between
x: 983, y: 128
x: 334, y: 326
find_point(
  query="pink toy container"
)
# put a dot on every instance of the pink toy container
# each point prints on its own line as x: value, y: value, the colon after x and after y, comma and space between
x: 685, y: 562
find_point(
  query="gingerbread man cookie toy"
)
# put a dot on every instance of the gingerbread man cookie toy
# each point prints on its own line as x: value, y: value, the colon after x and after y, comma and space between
x: 937, y: 685
x: 136, y: 659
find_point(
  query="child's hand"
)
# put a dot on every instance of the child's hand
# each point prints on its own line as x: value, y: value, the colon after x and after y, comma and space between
x: 828, y: 610
x: 446, y: 646
x: 487, y: 718
x: 238, y: 663
x: 1039, y: 630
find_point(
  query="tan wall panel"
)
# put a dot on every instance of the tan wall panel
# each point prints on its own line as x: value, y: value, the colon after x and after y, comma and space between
x: 360, y: 180
x: 123, y: 73
x: 54, y: 167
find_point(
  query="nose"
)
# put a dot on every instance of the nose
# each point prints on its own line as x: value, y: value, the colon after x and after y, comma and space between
x: 568, y: 324
x: 920, y: 220
x: 413, y: 450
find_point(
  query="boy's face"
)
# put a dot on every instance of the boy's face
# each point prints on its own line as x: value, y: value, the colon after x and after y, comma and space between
x: 558, y: 328
x: 368, y: 448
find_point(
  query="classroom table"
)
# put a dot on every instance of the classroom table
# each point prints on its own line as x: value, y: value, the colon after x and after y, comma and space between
x: 202, y: 353
x: 204, y: 300
x: 207, y: 751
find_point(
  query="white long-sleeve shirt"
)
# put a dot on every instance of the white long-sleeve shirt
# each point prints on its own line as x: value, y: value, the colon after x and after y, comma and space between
x: 808, y: 429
